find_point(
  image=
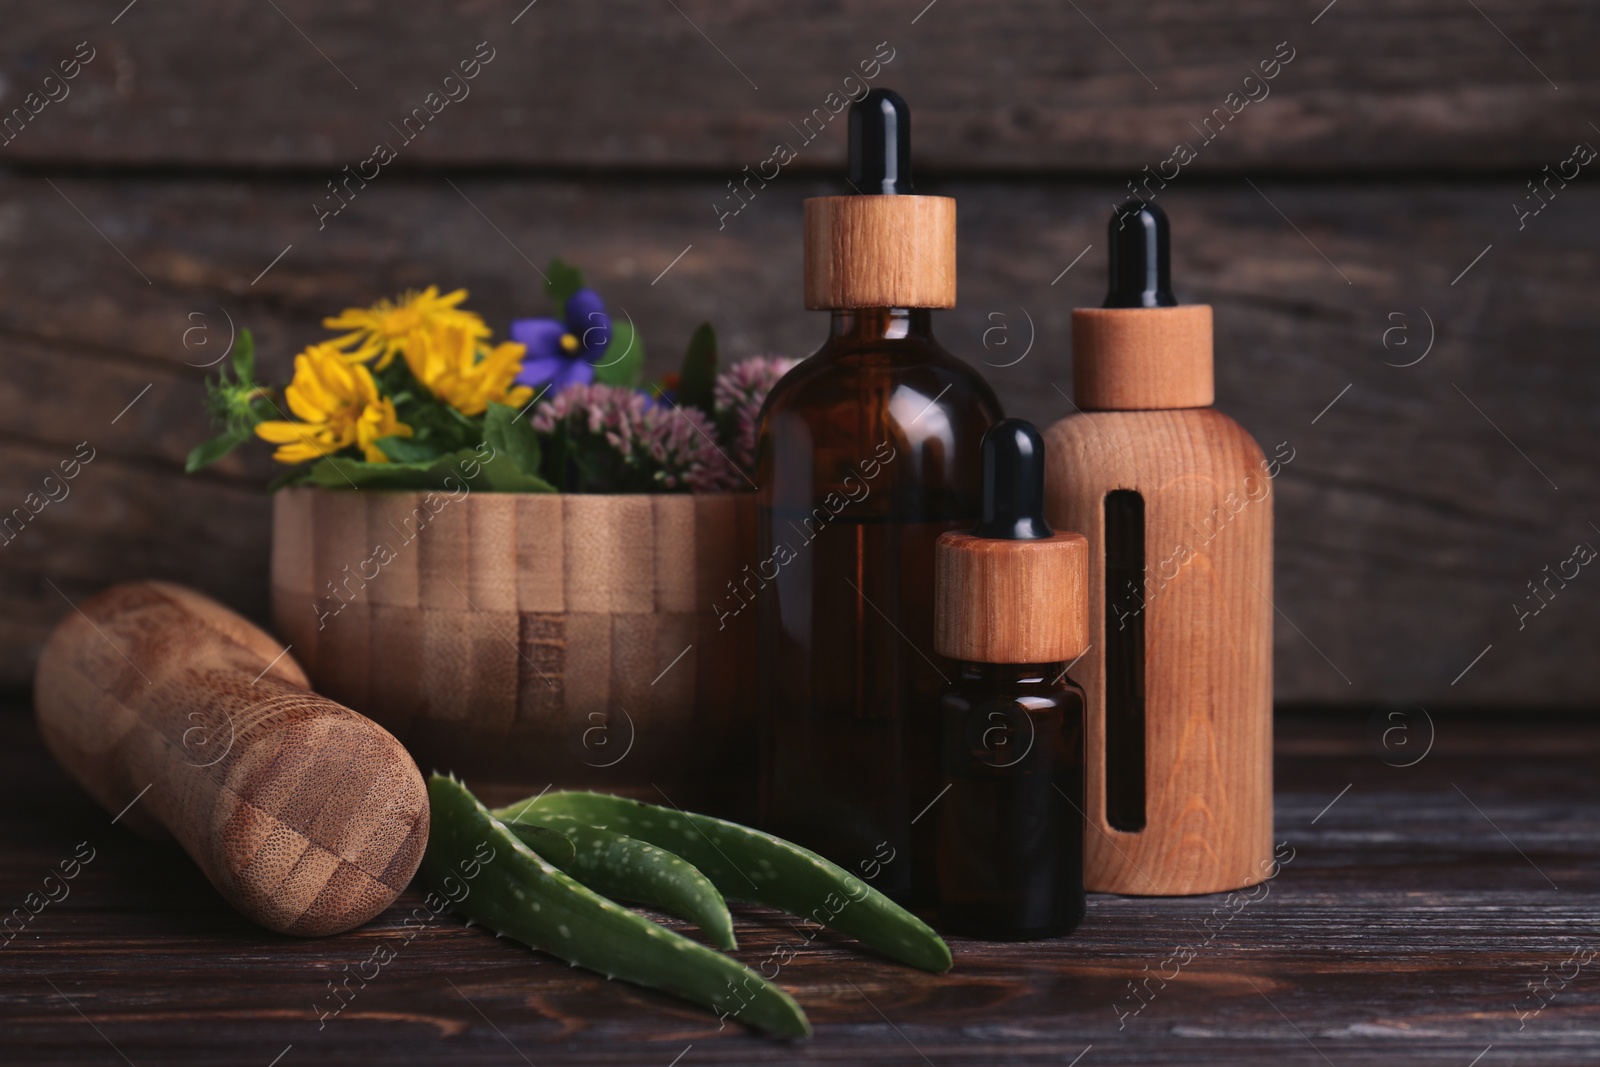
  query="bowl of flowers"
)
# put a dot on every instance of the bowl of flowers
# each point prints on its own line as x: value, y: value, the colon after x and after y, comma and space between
x: 511, y: 553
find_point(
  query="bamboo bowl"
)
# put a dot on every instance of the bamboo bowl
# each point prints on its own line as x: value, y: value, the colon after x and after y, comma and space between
x: 527, y: 641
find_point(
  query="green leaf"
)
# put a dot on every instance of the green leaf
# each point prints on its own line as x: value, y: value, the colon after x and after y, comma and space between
x: 465, y: 468
x: 261, y: 409
x: 622, y: 363
x: 561, y: 281
x: 244, y: 357
x: 556, y: 465
x: 337, y: 472
x: 600, y: 468
x: 512, y: 436
x: 500, y: 474
x: 408, y: 449
x: 699, y: 375
x: 293, y: 476
x: 435, y: 425
x: 208, y: 452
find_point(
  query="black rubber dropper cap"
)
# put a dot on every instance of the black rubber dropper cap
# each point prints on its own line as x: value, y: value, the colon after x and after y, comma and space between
x: 880, y: 144
x: 1013, y: 483
x: 1141, y: 274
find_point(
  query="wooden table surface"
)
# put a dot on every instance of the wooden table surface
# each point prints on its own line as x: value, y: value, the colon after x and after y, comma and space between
x: 1425, y: 901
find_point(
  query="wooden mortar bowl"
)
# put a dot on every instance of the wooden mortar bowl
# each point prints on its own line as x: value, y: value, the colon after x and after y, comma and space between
x: 527, y: 640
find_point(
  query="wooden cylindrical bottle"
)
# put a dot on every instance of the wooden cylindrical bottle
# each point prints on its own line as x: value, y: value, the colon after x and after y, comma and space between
x: 1175, y: 499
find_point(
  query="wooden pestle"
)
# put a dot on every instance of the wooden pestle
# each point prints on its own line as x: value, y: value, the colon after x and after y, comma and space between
x: 309, y: 818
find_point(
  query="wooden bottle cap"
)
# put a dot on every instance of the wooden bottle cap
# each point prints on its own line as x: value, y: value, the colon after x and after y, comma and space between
x: 1001, y: 601
x: 880, y: 251
x: 1142, y: 359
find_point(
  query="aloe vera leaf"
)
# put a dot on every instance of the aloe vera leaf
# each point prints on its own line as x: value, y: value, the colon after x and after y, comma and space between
x: 550, y: 844
x: 748, y: 864
x: 625, y: 868
x: 517, y: 893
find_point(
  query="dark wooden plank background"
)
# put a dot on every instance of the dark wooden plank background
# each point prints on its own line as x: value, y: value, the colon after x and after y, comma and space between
x: 1032, y: 86
x: 140, y: 214
x: 1404, y: 929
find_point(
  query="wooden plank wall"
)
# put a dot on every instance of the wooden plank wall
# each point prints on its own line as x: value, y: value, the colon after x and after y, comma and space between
x: 1363, y: 205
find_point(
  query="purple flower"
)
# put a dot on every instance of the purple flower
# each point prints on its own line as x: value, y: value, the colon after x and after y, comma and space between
x: 738, y: 395
x: 563, y: 352
x: 649, y: 445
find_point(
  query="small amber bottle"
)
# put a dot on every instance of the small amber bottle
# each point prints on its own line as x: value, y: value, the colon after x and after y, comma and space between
x: 868, y: 452
x: 1011, y: 606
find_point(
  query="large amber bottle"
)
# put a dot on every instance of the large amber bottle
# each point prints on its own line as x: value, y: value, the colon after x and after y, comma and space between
x: 869, y: 450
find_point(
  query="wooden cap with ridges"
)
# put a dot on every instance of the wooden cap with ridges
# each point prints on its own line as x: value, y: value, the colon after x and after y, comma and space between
x: 880, y: 251
x: 1003, y: 601
x: 1142, y: 359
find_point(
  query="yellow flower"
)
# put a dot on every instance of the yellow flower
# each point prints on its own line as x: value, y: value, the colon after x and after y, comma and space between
x: 465, y: 374
x: 339, y: 406
x: 390, y: 326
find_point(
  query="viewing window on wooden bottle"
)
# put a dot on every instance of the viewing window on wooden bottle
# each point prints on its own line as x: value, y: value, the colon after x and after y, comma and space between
x: 1124, y: 660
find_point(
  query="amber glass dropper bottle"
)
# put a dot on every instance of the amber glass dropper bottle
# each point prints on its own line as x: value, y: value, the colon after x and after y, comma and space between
x: 868, y: 452
x: 1012, y: 606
